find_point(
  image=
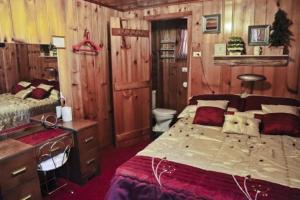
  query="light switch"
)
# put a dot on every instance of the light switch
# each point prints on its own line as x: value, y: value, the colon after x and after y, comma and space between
x: 184, y: 84
x: 184, y: 69
x: 197, y: 54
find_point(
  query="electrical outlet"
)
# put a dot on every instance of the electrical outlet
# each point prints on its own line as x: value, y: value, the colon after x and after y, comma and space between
x: 197, y: 54
x: 184, y: 69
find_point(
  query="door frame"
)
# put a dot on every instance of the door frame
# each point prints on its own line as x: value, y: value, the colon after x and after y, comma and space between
x: 169, y: 16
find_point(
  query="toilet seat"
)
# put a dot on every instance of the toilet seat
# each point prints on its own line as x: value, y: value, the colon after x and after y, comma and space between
x: 163, y: 111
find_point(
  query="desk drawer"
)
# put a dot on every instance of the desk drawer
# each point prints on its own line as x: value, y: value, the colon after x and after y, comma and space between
x: 18, y: 170
x: 87, y: 139
x: 89, y: 163
x: 27, y: 191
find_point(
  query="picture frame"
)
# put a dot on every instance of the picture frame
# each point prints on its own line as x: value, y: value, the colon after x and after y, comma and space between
x: 58, y: 42
x: 212, y: 23
x: 258, y: 35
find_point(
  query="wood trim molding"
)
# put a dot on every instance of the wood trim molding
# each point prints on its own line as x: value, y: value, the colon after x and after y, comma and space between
x: 168, y: 16
x: 134, y: 85
x: 129, y: 32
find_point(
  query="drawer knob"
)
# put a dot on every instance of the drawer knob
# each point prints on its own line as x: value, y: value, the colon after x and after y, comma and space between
x: 26, y: 197
x: 90, y: 161
x: 19, y: 171
x: 87, y: 140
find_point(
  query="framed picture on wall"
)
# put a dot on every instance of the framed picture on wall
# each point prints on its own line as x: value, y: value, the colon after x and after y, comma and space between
x: 58, y: 41
x: 258, y: 35
x: 212, y: 23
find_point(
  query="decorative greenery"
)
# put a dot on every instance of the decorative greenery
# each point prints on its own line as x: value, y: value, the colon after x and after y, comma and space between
x: 280, y: 33
x: 236, y: 46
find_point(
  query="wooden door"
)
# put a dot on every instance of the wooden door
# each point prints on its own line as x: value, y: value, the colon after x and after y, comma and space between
x: 130, y: 55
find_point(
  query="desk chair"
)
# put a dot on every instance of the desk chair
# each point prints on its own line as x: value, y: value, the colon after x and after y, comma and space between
x: 52, y: 156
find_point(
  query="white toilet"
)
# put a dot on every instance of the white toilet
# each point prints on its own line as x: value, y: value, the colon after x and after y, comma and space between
x: 163, y: 116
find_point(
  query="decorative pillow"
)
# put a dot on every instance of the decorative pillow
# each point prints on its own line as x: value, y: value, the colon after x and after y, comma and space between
x: 23, y: 93
x: 238, y: 124
x: 188, y: 111
x: 234, y: 100
x: 210, y: 116
x: 17, y: 88
x: 280, y: 109
x: 45, y: 87
x: 213, y: 103
x: 281, y: 124
x: 54, y: 94
x: 25, y: 84
x: 39, y: 93
x: 255, y: 102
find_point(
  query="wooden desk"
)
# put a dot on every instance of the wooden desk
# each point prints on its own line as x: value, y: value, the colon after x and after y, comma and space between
x: 85, y: 154
x: 18, y: 159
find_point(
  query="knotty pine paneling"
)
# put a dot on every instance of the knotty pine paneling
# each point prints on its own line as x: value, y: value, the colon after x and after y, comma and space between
x: 236, y: 15
x: 84, y: 79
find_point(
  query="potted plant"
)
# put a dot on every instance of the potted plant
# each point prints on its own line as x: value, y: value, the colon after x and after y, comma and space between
x: 280, y: 35
x: 235, y: 46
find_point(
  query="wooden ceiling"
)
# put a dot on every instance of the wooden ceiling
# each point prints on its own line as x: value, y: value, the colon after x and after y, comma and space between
x: 125, y: 5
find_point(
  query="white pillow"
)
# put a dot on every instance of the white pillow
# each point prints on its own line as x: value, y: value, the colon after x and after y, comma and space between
x: 45, y: 87
x: 213, y: 103
x: 231, y: 109
x: 237, y: 124
x: 280, y: 109
x: 23, y: 93
x: 188, y: 111
x: 25, y: 84
x: 54, y: 94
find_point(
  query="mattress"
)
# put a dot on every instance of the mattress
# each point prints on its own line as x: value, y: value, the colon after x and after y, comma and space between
x: 15, y: 111
x: 220, y: 163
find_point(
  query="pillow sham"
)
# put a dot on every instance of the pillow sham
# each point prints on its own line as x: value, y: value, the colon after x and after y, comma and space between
x: 23, y: 93
x: 45, y: 87
x: 210, y: 116
x: 234, y: 100
x: 281, y: 124
x: 25, y: 84
x: 280, y: 109
x: 213, y: 103
x: 238, y: 124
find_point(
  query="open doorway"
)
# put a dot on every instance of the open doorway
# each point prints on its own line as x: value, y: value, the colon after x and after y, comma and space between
x: 169, y: 63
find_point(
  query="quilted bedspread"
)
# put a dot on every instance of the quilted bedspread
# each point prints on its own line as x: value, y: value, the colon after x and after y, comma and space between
x: 272, y: 160
x: 15, y: 111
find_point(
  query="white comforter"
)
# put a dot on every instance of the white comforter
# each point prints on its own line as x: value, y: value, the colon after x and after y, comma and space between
x: 272, y: 158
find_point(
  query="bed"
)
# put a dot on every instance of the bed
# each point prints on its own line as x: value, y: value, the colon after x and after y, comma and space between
x: 192, y: 161
x: 16, y: 111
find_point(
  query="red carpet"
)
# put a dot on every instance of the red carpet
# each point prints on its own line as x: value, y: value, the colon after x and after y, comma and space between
x: 97, y: 187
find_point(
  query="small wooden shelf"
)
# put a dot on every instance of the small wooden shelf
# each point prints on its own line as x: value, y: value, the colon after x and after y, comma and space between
x: 263, y: 60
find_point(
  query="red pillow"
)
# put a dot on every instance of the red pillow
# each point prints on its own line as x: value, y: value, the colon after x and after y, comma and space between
x: 17, y: 88
x: 39, y: 93
x: 281, y: 124
x: 210, y: 116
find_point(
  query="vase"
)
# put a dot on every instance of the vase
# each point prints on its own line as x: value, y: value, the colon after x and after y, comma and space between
x: 276, y: 51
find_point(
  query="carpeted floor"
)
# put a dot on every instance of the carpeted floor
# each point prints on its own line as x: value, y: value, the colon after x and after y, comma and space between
x: 97, y: 187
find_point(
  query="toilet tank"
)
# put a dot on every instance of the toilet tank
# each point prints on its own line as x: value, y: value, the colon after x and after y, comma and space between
x: 153, y: 99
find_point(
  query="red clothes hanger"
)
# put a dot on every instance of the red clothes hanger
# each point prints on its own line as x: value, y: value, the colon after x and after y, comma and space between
x: 94, y: 48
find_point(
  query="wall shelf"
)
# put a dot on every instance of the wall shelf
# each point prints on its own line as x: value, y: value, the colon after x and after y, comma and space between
x: 263, y: 60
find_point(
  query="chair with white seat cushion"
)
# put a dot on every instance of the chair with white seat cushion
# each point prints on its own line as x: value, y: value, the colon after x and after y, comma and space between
x: 52, y: 156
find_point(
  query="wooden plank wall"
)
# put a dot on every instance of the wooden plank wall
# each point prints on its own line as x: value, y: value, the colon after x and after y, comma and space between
x: 237, y: 15
x: 84, y: 79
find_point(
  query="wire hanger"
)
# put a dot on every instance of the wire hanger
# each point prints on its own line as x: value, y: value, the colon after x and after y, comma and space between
x: 94, y: 48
